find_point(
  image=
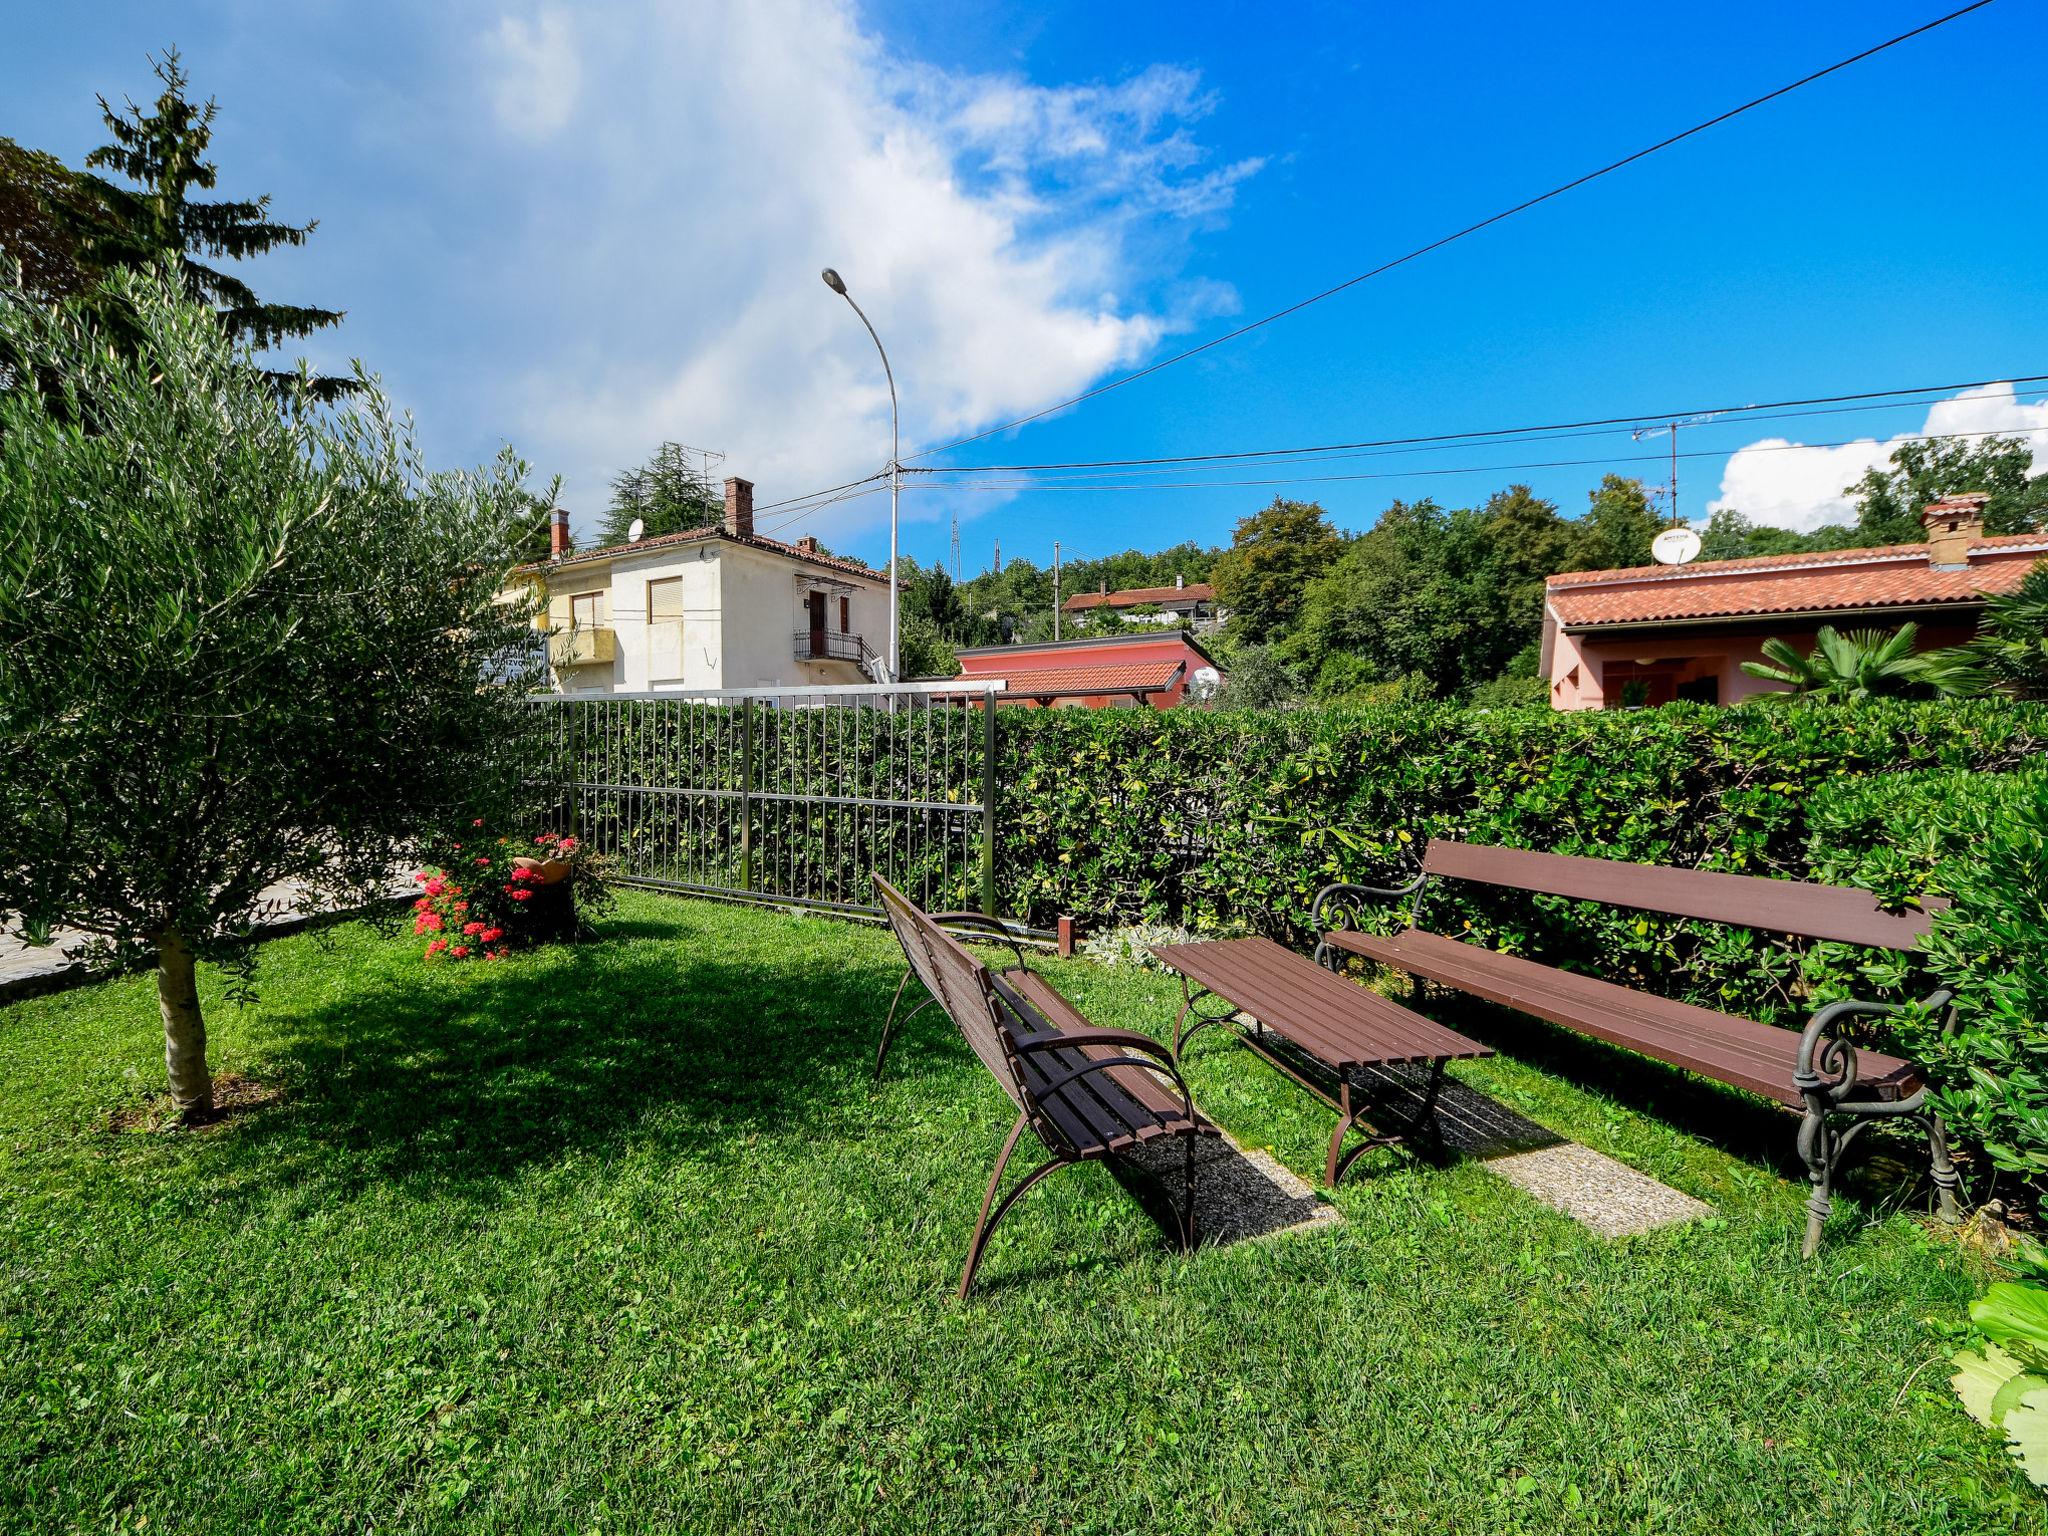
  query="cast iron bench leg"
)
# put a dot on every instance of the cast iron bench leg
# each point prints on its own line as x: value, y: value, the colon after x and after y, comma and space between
x: 1822, y: 1148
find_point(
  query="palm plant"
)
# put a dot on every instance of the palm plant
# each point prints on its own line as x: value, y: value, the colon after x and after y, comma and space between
x: 2010, y: 652
x: 1863, y: 664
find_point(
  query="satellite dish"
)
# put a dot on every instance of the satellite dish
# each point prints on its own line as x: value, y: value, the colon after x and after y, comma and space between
x: 1675, y: 546
x: 640, y: 526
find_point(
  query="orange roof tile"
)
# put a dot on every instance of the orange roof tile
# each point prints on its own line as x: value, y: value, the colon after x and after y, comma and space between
x: 1893, y: 576
x: 1107, y: 677
x: 1131, y: 597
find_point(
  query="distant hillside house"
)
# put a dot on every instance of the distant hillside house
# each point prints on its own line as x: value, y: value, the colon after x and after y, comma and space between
x: 1158, y: 671
x: 1655, y: 633
x: 720, y: 607
x: 1191, y: 600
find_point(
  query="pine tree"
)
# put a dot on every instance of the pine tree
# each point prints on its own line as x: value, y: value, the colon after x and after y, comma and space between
x: 163, y: 151
x: 667, y: 494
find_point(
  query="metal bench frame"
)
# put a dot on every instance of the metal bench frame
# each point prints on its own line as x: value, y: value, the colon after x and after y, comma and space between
x: 1826, y: 1075
x: 1076, y: 1121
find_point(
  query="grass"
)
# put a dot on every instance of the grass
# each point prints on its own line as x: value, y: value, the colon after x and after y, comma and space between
x: 616, y: 1238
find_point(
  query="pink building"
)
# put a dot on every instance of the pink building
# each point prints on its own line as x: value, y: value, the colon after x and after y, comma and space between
x: 1655, y: 633
x: 1155, y: 670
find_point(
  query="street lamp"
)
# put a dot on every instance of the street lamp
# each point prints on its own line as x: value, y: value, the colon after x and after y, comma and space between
x: 838, y: 286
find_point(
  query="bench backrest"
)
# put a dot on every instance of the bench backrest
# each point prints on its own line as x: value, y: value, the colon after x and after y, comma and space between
x: 1795, y: 907
x: 953, y: 974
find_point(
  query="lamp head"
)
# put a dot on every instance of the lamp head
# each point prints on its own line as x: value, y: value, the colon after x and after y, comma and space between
x: 834, y: 282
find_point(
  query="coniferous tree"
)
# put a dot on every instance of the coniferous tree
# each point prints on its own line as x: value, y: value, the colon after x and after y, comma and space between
x: 163, y: 152
x: 667, y: 494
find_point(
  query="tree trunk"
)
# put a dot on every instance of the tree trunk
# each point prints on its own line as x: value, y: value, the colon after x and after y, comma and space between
x: 177, y: 998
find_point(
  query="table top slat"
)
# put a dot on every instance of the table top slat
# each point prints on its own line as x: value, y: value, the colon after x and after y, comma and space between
x: 1340, y: 1023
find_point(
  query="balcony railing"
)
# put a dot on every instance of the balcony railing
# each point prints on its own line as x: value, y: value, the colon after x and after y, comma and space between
x: 829, y: 645
x: 582, y: 647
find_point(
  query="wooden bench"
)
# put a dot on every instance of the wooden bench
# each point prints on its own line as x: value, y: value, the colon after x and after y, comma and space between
x: 1087, y: 1094
x: 1346, y: 1032
x: 1840, y: 1088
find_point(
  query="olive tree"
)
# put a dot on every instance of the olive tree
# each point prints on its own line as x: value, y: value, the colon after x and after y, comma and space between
x: 243, y: 640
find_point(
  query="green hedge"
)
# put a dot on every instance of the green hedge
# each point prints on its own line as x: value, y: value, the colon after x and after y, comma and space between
x: 1233, y: 820
x: 1982, y: 841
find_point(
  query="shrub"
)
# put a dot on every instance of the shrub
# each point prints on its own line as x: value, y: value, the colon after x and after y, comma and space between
x: 486, y: 897
x: 1982, y: 841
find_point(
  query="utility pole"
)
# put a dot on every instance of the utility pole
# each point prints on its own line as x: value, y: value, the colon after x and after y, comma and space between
x: 1055, y: 591
x: 1674, y: 475
x: 997, y: 568
x: 956, y: 546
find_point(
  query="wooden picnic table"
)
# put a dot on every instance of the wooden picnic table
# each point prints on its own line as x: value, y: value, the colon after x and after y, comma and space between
x: 1339, y: 1026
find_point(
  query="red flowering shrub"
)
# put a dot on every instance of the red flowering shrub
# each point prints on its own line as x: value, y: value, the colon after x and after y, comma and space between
x: 483, y: 905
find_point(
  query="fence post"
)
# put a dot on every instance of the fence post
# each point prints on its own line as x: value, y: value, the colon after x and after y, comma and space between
x: 746, y: 794
x: 988, y: 803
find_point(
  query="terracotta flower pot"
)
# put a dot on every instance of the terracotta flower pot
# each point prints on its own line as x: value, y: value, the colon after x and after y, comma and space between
x: 551, y: 871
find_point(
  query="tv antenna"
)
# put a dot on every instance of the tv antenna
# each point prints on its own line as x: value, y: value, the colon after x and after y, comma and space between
x: 1670, y: 429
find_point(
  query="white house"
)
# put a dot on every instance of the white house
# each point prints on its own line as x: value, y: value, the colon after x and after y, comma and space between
x: 719, y: 607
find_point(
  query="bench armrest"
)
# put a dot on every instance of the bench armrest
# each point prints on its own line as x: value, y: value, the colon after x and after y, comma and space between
x: 1828, y: 1063
x: 1154, y: 1058
x: 1344, y: 890
x: 983, y: 922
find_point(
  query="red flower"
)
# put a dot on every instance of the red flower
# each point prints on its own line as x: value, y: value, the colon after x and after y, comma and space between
x: 482, y: 859
x: 472, y: 929
x: 478, y: 822
x: 462, y: 906
x: 419, y: 877
x: 459, y: 951
x: 522, y: 895
x: 435, y: 946
x: 457, y: 847
x: 492, y: 935
x: 494, y: 954
x: 430, y: 922
x: 568, y: 845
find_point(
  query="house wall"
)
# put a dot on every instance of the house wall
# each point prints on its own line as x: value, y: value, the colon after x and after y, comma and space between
x: 763, y: 595
x: 1589, y: 670
x: 742, y: 608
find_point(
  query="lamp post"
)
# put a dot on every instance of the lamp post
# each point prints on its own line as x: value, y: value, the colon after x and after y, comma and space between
x: 838, y: 286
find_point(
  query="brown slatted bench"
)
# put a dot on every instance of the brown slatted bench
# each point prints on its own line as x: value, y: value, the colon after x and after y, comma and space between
x: 1343, y: 1030
x: 1087, y: 1094
x: 1840, y: 1088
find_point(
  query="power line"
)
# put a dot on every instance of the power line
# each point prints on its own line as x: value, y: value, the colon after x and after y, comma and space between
x: 1885, y: 399
x: 1474, y: 469
x: 1470, y: 229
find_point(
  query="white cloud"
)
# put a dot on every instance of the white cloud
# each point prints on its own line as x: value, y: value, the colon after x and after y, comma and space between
x: 538, y: 74
x: 1011, y: 242
x: 1803, y: 490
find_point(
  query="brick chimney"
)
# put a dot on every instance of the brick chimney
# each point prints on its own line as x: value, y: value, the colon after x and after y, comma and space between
x: 1180, y: 583
x: 558, y: 534
x: 739, y: 507
x: 808, y: 544
x: 1953, y: 524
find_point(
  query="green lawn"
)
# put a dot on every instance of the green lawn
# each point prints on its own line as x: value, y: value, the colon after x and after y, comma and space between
x: 616, y: 1238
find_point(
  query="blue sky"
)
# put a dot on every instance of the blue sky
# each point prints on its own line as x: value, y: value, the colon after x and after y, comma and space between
x: 583, y: 229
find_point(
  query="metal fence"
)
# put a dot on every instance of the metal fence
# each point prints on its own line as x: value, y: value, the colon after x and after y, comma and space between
x: 791, y: 796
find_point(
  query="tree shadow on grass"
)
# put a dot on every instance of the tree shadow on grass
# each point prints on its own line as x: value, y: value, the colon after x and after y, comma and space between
x: 460, y: 1082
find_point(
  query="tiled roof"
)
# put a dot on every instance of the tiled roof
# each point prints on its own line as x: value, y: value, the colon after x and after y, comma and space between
x: 693, y: 535
x: 1132, y: 597
x: 1893, y: 576
x: 1105, y: 677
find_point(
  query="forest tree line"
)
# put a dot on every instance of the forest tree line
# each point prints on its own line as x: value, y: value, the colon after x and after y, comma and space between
x: 1429, y: 601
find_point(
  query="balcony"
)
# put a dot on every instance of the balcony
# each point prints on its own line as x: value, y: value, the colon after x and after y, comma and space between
x: 829, y: 645
x: 582, y: 647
